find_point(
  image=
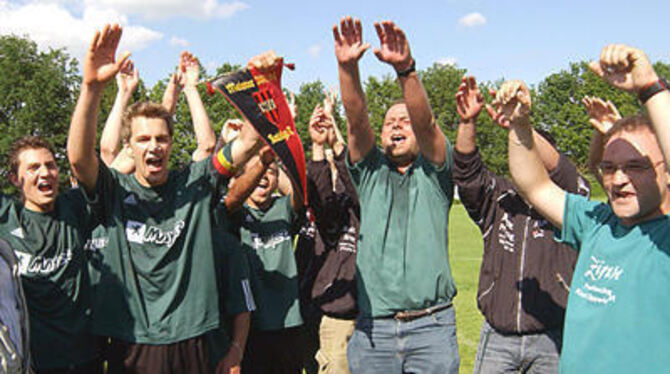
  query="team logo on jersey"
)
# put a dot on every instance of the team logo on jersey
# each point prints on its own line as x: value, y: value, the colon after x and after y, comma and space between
x: 140, y: 233
x: 29, y: 264
x: 18, y: 232
x: 130, y: 200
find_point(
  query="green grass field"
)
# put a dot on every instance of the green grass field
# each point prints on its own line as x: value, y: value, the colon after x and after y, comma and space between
x: 465, y: 255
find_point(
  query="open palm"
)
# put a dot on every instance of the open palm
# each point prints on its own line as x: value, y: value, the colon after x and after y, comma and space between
x: 349, y: 46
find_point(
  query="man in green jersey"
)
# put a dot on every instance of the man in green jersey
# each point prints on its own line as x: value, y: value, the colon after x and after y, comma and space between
x: 157, y: 295
x: 617, y: 315
x: 48, y: 231
x: 405, y: 287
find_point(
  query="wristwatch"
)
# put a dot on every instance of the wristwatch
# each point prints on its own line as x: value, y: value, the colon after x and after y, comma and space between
x: 652, y: 89
x: 406, y: 72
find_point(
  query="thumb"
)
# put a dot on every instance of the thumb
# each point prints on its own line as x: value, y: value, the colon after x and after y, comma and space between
x: 596, y: 68
x: 124, y: 56
x: 378, y: 53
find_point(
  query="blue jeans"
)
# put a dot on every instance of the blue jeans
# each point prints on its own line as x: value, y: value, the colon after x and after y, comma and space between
x: 424, y: 345
x: 511, y: 353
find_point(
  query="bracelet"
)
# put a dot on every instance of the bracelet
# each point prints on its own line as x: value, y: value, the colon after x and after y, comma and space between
x: 650, y: 90
x: 406, y: 72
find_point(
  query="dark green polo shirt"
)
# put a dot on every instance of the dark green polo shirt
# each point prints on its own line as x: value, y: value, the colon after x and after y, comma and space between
x: 402, y: 257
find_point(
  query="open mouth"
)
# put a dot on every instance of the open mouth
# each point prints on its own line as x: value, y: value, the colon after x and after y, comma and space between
x: 45, y: 187
x: 263, y: 184
x: 154, y: 163
x: 397, y: 139
x: 623, y: 195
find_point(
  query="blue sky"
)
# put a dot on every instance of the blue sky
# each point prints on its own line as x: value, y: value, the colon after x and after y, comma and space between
x: 492, y: 39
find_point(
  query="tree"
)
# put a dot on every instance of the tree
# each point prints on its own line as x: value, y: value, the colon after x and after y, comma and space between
x: 38, y: 96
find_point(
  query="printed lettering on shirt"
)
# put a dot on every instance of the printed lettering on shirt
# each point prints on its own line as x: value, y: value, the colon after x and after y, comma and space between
x: 29, y: 264
x: 506, y: 233
x: 96, y: 244
x: 140, y: 233
x: 603, y: 274
x: 271, y: 241
x: 347, y: 241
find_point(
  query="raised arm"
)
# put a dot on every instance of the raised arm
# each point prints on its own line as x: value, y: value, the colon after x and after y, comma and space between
x: 204, y: 135
x: 171, y: 93
x: 469, y: 103
x: 394, y: 50
x: 527, y: 169
x: 628, y: 69
x: 335, y: 139
x: 245, y: 183
x: 99, y: 66
x: 349, y: 48
x: 602, y: 116
x: 110, y: 141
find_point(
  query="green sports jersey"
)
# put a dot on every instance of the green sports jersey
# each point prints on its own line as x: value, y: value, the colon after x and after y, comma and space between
x: 267, y: 239
x: 52, y: 264
x: 152, y: 257
x: 402, y: 260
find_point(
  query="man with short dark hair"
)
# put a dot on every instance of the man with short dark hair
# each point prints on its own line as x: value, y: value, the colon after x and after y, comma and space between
x: 405, y: 286
x: 48, y: 231
x: 157, y: 295
x: 616, y: 319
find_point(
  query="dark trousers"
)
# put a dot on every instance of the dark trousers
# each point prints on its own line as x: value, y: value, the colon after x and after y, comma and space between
x: 186, y: 356
x: 275, y: 352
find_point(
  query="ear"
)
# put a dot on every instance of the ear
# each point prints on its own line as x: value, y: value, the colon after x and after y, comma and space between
x: 15, y: 180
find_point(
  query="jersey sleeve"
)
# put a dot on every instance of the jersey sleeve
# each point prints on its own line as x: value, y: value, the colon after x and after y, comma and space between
x: 580, y: 216
x: 568, y: 178
x: 476, y: 187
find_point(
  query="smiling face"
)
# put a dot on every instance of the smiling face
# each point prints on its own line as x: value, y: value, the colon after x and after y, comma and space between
x: 262, y: 194
x: 398, y: 140
x: 37, y: 178
x: 634, y: 176
x: 150, y: 144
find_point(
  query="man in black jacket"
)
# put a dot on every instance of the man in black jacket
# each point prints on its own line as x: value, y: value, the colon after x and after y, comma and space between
x: 525, y: 275
x: 326, y: 252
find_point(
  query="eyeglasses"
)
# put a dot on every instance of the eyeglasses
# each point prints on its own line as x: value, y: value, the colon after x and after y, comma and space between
x: 630, y: 168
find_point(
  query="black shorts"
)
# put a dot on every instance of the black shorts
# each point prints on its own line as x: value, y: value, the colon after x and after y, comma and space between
x: 186, y: 356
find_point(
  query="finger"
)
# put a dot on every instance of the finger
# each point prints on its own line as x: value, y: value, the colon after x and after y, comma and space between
x: 378, y: 53
x: 336, y: 35
x: 597, y: 125
x: 117, y: 31
x: 597, y: 69
x: 380, y: 32
x: 491, y: 112
x: 401, y: 39
x: 358, y: 28
x: 390, y: 34
x: 472, y: 83
x: 124, y: 56
x: 103, y: 36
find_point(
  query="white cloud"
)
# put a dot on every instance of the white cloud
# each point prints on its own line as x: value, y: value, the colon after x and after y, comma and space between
x: 52, y: 24
x: 472, y: 20
x: 179, y: 42
x: 448, y: 61
x: 152, y: 9
x: 315, y: 51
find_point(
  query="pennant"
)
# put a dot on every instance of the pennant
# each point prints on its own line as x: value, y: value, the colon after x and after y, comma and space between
x: 259, y: 98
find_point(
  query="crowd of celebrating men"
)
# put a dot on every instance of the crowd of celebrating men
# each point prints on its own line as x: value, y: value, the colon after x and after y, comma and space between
x: 222, y: 267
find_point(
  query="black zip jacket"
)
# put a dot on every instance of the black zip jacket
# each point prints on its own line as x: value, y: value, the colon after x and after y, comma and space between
x: 525, y: 275
x: 326, y: 248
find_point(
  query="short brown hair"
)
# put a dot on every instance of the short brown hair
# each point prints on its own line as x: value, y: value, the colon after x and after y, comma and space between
x: 21, y: 144
x: 629, y: 124
x: 144, y: 109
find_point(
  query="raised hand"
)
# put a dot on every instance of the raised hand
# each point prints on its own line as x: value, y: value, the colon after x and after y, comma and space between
x: 318, y: 126
x: 393, y: 48
x: 469, y: 101
x: 349, y: 46
x: 624, y: 67
x: 189, y: 70
x: 292, y: 106
x: 511, y: 105
x: 264, y: 61
x: 100, y: 63
x: 602, y: 115
x: 330, y: 97
x: 127, y: 79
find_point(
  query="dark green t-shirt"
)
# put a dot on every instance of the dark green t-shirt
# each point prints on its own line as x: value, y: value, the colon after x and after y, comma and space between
x: 402, y: 258
x: 52, y: 264
x: 267, y: 240
x: 153, y: 259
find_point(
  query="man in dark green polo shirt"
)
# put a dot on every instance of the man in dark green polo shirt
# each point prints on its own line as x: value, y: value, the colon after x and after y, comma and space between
x: 48, y: 231
x: 157, y: 293
x: 405, y: 287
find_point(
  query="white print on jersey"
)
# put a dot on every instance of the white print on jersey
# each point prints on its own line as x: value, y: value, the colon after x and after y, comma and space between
x: 138, y: 232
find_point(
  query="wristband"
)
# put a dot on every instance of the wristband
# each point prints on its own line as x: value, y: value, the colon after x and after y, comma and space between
x: 406, y: 72
x: 650, y: 90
